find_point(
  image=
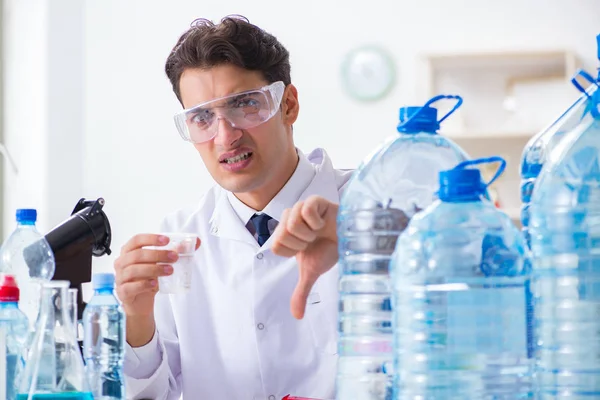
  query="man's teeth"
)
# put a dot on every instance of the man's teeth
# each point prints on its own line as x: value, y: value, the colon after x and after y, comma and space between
x: 237, y: 158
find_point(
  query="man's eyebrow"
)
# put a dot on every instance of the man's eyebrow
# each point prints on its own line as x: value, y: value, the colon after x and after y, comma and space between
x: 236, y: 97
x: 198, y: 110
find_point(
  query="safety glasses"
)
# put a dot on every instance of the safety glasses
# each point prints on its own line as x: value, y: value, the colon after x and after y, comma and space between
x: 243, y: 110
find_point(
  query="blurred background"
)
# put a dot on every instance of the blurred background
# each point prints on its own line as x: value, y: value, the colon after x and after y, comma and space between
x: 87, y: 109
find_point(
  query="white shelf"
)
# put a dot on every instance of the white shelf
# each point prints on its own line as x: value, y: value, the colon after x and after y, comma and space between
x: 505, y: 90
x: 535, y: 63
x: 525, y: 136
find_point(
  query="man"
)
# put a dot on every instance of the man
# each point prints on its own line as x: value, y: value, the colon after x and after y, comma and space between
x: 233, y: 335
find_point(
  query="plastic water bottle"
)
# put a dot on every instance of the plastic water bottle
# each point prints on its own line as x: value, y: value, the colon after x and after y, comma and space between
x: 565, y: 246
x: 462, y: 298
x: 391, y: 185
x: 13, y: 337
x: 542, y: 144
x: 26, y: 240
x: 104, y: 340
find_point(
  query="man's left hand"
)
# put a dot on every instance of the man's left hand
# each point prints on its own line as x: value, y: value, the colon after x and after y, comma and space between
x: 308, y: 231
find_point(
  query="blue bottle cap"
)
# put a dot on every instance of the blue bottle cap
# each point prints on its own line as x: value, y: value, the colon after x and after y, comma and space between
x: 465, y: 184
x: 425, y: 121
x: 461, y: 185
x: 26, y: 215
x: 103, y: 281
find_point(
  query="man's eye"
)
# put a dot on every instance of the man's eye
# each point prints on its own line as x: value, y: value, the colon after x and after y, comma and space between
x: 202, y: 118
x: 247, y: 102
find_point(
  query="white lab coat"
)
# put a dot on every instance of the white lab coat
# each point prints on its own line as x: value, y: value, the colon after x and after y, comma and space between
x: 233, y: 336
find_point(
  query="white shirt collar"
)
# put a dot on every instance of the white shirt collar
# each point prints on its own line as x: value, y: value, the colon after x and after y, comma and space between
x: 287, y: 196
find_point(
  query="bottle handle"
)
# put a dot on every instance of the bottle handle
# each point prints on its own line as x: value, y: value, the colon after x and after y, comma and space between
x: 458, y: 99
x: 487, y: 160
x: 587, y: 77
x: 593, y: 106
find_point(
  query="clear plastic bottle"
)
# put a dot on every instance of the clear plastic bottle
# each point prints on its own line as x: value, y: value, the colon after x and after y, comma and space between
x: 13, y: 338
x: 462, y: 299
x: 391, y: 185
x: 24, y: 243
x: 541, y: 145
x: 54, y: 368
x: 104, y: 340
x: 565, y: 246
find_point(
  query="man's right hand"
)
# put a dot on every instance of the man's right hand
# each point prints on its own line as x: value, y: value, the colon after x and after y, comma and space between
x: 136, y: 276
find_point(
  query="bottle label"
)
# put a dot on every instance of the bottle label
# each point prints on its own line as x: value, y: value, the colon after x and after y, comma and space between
x: 489, y: 320
x: 3, y: 376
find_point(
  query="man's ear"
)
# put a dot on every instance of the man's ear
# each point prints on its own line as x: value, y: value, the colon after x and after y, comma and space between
x: 290, y: 105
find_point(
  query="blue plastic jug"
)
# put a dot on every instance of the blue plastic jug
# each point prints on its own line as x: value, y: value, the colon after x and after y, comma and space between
x: 395, y: 182
x: 565, y: 246
x: 461, y: 297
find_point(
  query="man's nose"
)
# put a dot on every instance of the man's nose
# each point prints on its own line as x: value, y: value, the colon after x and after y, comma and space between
x: 226, y: 133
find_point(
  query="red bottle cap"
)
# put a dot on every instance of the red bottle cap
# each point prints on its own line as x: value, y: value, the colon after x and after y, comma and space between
x: 9, y: 291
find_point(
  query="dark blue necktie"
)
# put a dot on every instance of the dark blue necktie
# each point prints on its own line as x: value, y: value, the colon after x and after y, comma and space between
x: 261, y: 225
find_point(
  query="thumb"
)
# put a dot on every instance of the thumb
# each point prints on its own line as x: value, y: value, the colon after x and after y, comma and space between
x: 306, y: 281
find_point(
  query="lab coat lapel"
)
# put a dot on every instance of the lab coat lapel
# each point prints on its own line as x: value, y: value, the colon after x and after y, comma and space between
x: 323, y: 184
x: 226, y: 224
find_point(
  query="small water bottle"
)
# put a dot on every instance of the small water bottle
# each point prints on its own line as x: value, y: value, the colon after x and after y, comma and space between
x: 13, y: 337
x: 104, y: 340
x: 27, y: 255
x: 461, y: 298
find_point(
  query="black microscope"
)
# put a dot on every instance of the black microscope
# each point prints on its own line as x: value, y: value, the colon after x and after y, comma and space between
x: 84, y: 234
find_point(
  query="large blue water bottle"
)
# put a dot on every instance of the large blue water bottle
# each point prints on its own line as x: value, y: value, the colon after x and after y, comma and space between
x: 13, y: 338
x: 542, y: 144
x: 565, y: 246
x: 390, y: 186
x: 104, y: 340
x: 462, y: 302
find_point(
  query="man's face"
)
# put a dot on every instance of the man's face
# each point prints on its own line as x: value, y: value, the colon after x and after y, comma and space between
x: 240, y: 160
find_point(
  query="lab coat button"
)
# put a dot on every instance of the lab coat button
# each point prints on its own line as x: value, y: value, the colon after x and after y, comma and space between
x: 259, y: 256
x: 260, y: 326
x: 271, y: 397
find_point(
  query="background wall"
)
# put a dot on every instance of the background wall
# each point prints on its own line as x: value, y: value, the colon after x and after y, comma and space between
x: 89, y: 109
x: 44, y: 83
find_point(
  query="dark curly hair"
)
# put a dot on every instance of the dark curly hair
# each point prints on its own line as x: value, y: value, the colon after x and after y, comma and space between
x: 234, y: 41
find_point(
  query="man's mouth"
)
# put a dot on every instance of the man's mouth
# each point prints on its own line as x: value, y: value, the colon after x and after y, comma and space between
x: 238, y: 158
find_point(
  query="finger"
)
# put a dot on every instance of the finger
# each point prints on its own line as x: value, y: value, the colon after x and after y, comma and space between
x: 146, y: 256
x: 143, y: 240
x: 198, y: 242
x: 277, y: 247
x: 298, y: 227
x: 306, y: 281
x: 281, y: 226
x: 291, y: 242
x: 139, y: 272
x: 281, y: 250
x: 313, y: 211
x: 128, y: 291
